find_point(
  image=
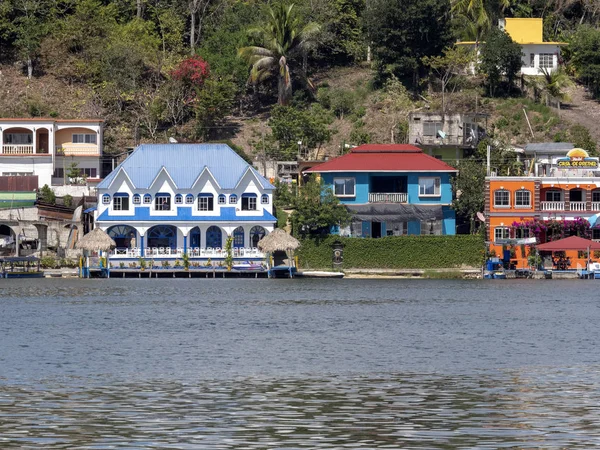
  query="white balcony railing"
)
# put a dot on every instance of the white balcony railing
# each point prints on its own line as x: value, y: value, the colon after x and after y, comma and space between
x: 577, y: 206
x: 595, y: 206
x: 552, y: 206
x: 75, y: 149
x: 167, y: 252
x: 17, y: 149
x: 388, y: 197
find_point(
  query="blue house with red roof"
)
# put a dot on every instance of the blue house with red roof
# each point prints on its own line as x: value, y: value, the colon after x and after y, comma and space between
x: 392, y: 190
x: 167, y: 200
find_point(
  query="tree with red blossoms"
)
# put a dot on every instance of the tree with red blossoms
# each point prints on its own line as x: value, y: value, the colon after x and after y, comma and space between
x: 192, y: 71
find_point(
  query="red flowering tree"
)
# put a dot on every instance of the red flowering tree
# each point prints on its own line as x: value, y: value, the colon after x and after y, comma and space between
x: 192, y: 71
x: 554, y: 229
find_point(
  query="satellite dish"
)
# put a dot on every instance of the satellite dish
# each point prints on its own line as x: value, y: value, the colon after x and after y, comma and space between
x: 480, y: 216
x: 441, y: 134
x: 172, y: 140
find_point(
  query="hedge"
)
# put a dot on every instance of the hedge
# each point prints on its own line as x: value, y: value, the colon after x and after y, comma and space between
x: 395, y: 252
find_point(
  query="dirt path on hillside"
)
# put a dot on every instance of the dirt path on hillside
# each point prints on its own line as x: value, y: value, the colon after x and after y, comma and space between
x: 583, y: 110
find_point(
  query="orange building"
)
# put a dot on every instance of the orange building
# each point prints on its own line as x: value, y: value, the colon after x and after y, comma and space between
x: 559, y: 197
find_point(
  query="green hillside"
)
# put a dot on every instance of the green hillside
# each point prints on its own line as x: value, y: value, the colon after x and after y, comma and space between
x: 267, y: 75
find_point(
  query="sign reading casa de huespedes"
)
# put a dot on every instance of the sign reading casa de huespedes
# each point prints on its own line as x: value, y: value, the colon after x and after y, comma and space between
x: 577, y: 158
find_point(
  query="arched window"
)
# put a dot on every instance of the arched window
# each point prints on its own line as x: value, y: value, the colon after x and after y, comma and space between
x: 106, y: 199
x: 195, y: 238
x: 522, y: 198
x: 256, y: 234
x: 238, y: 237
x: 178, y: 199
x: 123, y: 235
x: 264, y: 199
x: 214, y: 237
x: 162, y: 236
x: 554, y: 196
x: 501, y: 233
x: 137, y: 199
x: 501, y: 198
x: 222, y: 199
x: 189, y: 199
x: 205, y: 202
x: 147, y: 199
x: 233, y: 199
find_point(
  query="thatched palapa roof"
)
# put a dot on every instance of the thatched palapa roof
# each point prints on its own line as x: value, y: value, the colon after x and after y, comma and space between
x: 96, y: 240
x: 278, y: 240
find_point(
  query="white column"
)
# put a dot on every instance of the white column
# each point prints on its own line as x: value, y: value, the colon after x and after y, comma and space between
x: 34, y: 141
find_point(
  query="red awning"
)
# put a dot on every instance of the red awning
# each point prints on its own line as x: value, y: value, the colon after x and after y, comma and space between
x: 570, y: 243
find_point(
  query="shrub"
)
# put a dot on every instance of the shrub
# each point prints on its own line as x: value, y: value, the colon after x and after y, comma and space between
x: 48, y: 262
x: 68, y: 200
x: 395, y: 252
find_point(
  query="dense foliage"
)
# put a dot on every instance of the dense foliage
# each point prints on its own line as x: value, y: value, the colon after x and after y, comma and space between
x: 395, y: 252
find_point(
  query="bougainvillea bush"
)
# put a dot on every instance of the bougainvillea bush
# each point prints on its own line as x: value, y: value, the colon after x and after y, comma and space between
x: 554, y: 229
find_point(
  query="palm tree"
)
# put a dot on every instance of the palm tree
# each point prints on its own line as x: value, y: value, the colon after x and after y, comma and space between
x: 554, y: 84
x: 476, y: 14
x: 281, y: 38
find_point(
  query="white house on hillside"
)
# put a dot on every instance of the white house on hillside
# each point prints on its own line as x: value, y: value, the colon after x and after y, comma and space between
x: 537, y: 54
x: 47, y: 148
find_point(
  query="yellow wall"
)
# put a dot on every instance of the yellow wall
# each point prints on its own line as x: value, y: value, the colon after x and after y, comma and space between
x: 66, y: 136
x: 525, y: 31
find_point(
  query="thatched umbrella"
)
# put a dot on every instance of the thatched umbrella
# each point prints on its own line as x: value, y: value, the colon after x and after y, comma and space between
x: 279, y: 241
x: 96, y: 241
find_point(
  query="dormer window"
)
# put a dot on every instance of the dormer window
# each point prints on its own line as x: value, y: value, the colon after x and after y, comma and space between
x: 106, y: 199
x: 222, y: 199
x: 147, y: 199
x: 121, y: 202
x: 233, y: 199
x: 264, y: 199
x: 205, y: 202
x: 248, y: 202
x: 137, y: 199
x: 189, y: 199
x: 178, y: 199
x: 162, y: 202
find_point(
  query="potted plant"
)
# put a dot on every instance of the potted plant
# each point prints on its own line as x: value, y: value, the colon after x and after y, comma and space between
x: 142, y: 264
x: 186, y: 261
x: 121, y: 265
x: 166, y: 264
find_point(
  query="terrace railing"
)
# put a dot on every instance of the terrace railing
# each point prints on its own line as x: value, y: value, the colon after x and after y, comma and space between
x: 194, y: 252
x: 388, y: 197
x: 552, y: 206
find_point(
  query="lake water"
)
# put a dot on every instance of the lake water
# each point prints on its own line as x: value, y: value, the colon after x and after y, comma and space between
x: 299, y: 364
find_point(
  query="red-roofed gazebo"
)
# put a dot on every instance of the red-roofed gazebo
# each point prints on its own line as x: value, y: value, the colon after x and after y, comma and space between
x: 570, y: 243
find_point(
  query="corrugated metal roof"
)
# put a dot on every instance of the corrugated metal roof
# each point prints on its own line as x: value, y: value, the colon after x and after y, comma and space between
x: 549, y: 147
x: 184, y: 163
x: 384, y: 158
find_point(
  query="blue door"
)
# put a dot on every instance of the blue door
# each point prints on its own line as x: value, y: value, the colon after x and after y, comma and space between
x: 366, y: 228
x: 214, y: 237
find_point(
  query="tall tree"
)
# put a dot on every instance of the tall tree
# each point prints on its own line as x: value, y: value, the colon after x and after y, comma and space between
x: 280, y: 39
x: 479, y: 15
x: 402, y: 33
x: 500, y: 56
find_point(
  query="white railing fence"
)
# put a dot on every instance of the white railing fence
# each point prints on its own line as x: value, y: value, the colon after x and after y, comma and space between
x: 552, y: 206
x: 577, y: 206
x: 388, y: 197
x: 195, y: 252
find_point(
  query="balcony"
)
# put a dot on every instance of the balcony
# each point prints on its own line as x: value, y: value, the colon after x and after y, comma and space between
x: 22, y: 149
x: 577, y: 206
x: 388, y: 197
x: 195, y: 252
x: 552, y: 206
x: 77, y: 150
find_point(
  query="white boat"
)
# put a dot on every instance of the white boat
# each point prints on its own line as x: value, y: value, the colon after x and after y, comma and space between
x: 319, y: 274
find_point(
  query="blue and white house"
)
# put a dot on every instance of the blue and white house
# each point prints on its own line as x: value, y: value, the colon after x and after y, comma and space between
x: 165, y: 200
x: 392, y: 190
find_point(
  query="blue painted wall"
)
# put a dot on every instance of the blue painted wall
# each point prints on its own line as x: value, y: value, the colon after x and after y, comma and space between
x: 363, y: 182
x: 362, y: 195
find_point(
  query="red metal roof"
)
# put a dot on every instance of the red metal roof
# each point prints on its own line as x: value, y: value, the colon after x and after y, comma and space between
x: 570, y: 243
x: 384, y: 158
